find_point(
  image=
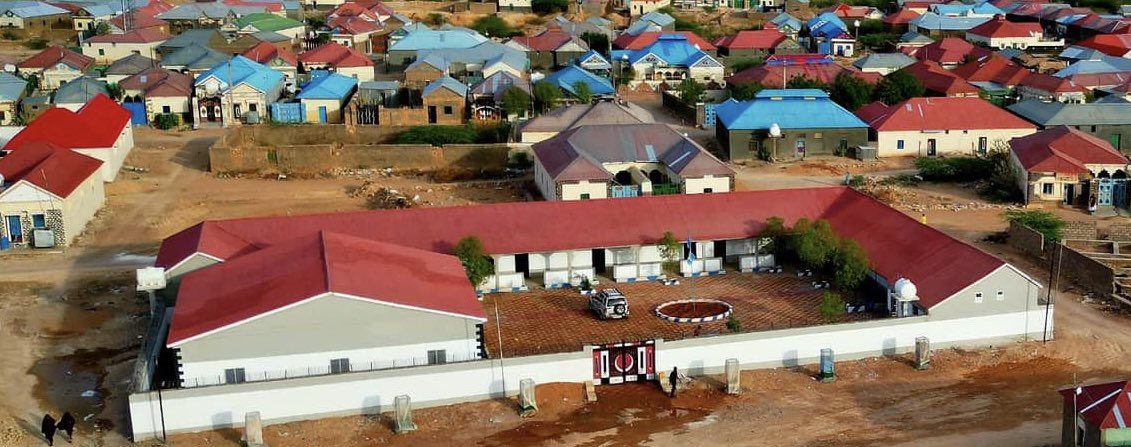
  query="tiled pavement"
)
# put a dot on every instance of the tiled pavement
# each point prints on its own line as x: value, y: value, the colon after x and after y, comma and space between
x: 547, y: 321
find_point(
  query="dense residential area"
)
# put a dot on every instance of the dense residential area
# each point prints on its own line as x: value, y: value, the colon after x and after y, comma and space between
x: 545, y: 222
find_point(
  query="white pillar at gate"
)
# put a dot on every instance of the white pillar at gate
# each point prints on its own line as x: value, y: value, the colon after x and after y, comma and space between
x: 527, y: 402
x: 732, y: 376
x: 402, y: 416
x: 922, y: 353
x: 253, y: 429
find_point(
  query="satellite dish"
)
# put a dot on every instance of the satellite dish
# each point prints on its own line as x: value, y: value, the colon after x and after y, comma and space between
x: 775, y: 130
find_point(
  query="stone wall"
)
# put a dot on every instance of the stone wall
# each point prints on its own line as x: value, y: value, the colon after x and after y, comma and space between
x: 1079, y: 229
x: 1089, y: 273
x: 1026, y: 239
x: 1119, y: 232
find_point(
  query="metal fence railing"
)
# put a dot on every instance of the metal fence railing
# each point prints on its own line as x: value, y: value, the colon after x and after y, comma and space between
x: 323, y: 370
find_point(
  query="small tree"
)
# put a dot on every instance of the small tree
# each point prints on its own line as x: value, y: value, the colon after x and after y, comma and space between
x: 166, y: 121
x: 597, y: 42
x: 800, y: 81
x: 850, y: 91
x: 435, y: 19
x: 582, y: 91
x: 1044, y: 222
x: 734, y: 325
x: 115, y: 91
x: 813, y: 242
x: 745, y: 90
x: 627, y: 73
x: 898, y: 86
x: 516, y: 101
x: 690, y: 91
x: 102, y: 29
x: 493, y: 26
x: 671, y: 250
x: 745, y: 63
x: 543, y: 7
x: 831, y: 308
x: 546, y: 95
x: 775, y: 230
x: 850, y: 264
x: 475, y: 262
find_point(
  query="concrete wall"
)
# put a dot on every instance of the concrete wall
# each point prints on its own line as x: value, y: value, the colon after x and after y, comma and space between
x: 736, y: 143
x: 574, y: 190
x: 1089, y: 273
x: 1119, y: 232
x: 952, y: 142
x: 371, y: 392
x: 699, y: 185
x: 107, y: 52
x: 1079, y: 229
x: 1026, y: 239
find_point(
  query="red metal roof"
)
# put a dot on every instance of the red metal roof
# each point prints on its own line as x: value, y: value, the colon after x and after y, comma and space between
x: 548, y: 40
x: 1064, y: 150
x: 140, y: 18
x: 1050, y: 83
x: 352, y: 25
x: 992, y: 68
x: 265, y: 52
x: 939, y: 80
x: 771, y: 76
x: 630, y: 42
x: 96, y: 125
x: 942, y: 114
x: 159, y: 82
x: 1104, y: 405
x: 312, y: 264
x: 1001, y: 28
x: 335, y: 55
x: 897, y: 244
x: 55, y: 169
x: 144, y: 35
x: 54, y: 55
x: 950, y: 50
x: 765, y: 39
x: 1110, y: 44
x: 901, y: 17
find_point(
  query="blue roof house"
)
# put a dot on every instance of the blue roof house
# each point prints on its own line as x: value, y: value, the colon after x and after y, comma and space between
x: 420, y: 38
x: 324, y: 97
x: 237, y: 90
x: 671, y: 59
x: 828, y: 34
x: 781, y: 124
x: 12, y: 90
x: 570, y: 77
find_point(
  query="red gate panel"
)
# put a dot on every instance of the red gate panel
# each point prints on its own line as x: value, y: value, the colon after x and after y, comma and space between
x: 624, y: 362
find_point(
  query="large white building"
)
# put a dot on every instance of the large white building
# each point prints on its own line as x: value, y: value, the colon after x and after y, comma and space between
x: 928, y: 127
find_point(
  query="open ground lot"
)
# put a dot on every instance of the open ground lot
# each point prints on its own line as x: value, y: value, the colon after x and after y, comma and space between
x: 559, y: 320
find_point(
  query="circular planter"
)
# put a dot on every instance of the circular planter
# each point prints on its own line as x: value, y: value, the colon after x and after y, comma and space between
x: 694, y: 311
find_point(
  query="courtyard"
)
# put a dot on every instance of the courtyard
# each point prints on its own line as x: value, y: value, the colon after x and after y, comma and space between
x: 543, y: 321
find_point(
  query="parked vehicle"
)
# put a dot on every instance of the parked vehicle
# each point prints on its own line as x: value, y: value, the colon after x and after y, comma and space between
x: 609, y: 303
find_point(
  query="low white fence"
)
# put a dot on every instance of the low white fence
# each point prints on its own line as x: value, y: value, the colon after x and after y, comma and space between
x: 371, y: 392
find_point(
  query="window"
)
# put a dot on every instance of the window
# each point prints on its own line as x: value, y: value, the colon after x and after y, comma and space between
x: 585, y: 196
x: 447, y: 110
x: 978, y: 298
x: 3, y: 116
x: 708, y: 190
x: 1093, y: 129
x: 101, y: 52
x: 236, y: 110
x: 1000, y: 295
x: 899, y: 144
x: 983, y: 145
x: 1046, y: 188
x: 252, y: 107
x: 437, y: 357
x: 38, y: 221
x: 235, y: 375
x: 166, y: 109
x: 338, y: 366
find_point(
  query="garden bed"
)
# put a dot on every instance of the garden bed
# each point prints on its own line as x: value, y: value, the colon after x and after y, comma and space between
x: 694, y: 311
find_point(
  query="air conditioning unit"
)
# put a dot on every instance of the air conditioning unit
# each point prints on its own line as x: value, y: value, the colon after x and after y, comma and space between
x: 43, y: 238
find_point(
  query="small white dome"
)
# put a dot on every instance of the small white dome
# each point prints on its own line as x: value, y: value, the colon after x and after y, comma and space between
x: 906, y: 290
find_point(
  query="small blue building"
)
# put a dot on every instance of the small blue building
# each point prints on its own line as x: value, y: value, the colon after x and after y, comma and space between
x: 324, y: 97
x: 807, y: 123
x: 569, y: 77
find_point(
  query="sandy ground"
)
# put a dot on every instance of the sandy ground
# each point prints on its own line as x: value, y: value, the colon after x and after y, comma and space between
x: 70, y: 323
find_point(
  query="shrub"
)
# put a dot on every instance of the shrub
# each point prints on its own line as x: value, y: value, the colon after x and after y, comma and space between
x: 831, y: 308
x: 856, y: 181
x: 742, y: 64
x: 488, y: 133
x: 542, y: 7
x: 1002, y: 183
x: 474, y: 258
x: 1043, y: 222
x: 494, y: 26
x: 516, y: 101
x: 437, y: 135
x: 671, y: 250
x: 36, y: 44
x: 435, y: 19
x: 734, y: 325
x: 850, y: 265
x: 955, y: 169
x: 8, y: 35
x: 166, y: 121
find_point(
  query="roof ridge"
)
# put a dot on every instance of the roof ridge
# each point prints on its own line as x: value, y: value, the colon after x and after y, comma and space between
x: 322, y: 250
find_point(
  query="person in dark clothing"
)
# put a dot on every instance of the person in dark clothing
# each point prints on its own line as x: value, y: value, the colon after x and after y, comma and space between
x: 67, y: 425
x: 48, y: 429
x: 673, y: 379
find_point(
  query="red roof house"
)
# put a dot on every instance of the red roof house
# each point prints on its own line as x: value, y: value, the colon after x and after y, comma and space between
x: 900, y: 18
x: 53, y: 56
x: 993, y: 68
x: 100, y: 129
x: 39, y: 169
x: 1065, y: 150
x: 1111, y: 44
x: 1102, y: 407
x: 1046, y: 87
x: 49, y: 167
x: 940, y: 81
x: 339, y: 58
x: 780, y: 68
x: 937, y: 126
x: 947, y: 52
x: 750, y: 43
x: 550, y: 48
x: 271, y: 55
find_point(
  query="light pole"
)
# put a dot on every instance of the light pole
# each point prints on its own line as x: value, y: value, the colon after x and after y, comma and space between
x: 856, y: 36
x: 775, y: 134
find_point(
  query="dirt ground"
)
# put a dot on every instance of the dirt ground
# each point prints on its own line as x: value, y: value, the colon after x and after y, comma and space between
x: 70, y: 324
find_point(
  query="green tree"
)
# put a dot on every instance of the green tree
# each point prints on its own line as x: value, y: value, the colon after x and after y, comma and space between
x: 813, y: 242
x: 474, y: 258
x: 1001, y: 186
x: 582, y: 92
x: 800, y: 81
x: 597, y: 42
x: 101, y: 29
x: 516, y: 101
x: 543, y: 7
x: 671, y: 251
x: 435, y: 19
x: 493, y: 26
x: 1044, y: 222
x: 742, y: 64
x: 850, y: 265
x: 626, y: 74
x: 546, y: 95
x: 690, y: 91
x: 745, y: 90
x: 897, y: 87
x: 832, y: 307
x: 166, y: 121
x: 36, y: 44
x: 871, y: 26
x: 850, y: 91
x: 115, y: 91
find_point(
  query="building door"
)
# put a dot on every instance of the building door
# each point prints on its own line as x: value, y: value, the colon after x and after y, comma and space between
x: 1116, y: 140
x: 1069, y: 193
x: 1105, y: 192
x: 983, y: 145
x: 322, y: 114
x: 931, y: 147
x: 624, y: 362
x: 15, y: 230
x: 1119, y: 192
x: 599, y: 260
x: 431, y: 114
x: 522, y: 264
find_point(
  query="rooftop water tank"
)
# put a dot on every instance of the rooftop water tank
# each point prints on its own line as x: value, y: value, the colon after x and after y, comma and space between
x: 905, y: 290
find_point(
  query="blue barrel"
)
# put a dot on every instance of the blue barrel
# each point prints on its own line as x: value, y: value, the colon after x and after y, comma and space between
x: 5, y: 243
x: 828, y: 372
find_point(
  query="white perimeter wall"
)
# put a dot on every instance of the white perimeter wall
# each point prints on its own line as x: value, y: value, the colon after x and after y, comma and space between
x: 369, y: 392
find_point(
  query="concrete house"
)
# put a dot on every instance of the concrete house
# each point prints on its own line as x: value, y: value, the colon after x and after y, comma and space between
x: 424, y: 70
x: 780, y: 68
x: 78, y: 91
x: 228, y: 92
x: 935, y: 25
x: 100, y: 129
x: 1046, y: 87
x: 883, y: 63
x: 86, y: 17
x: 340, y: 303
x: 445, y: 99
x: 34, y: 18
x: 551, y: 48
x: 1109, y: 122
x: 111, y: 47
x: 193, y: 59
x: 478, y: 62
x: 404, y: 50
x: 756, y: 44
x: 1000, y: 33
x: 128, y: 66
x: 1060, y: 164
x: 12, y: 91
x: 1096, y: 415
x: 486, y: 96
x: 928, y: 127
x: 810, y: 123
x: 828, y: 34
x: 279, y: 59
x: 163, y: 91
x: 55, y: 66
x: 47, y: 187
x: 644, y: 39
x: 570, y: 78
x: 339, y: 59
x: 625, y: 160
x: 549, y: 124
x: 671, y: 59
x: 325, y: 97
x: 259, y: 22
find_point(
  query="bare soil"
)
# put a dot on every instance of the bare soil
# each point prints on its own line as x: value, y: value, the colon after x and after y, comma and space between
x: 692, y: 310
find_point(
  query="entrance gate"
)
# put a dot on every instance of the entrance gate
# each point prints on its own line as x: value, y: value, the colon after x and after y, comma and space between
x: 624, y: 362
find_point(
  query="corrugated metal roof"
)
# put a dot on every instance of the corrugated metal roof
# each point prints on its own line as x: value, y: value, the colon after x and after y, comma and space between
x: 241, y: 70
x: 12, y: 87
x: 884, y: 60
x: 1106, y: 64
x: 423, y: 38
x: 1048, y: 114
x: 935, y: 22
x: 448, y: 83
x: 675, y: 49
x: 132, y: 64
x: 25, y: 10
x: 193, y: 57
x: 580, y: 153
x: 789, y: 108
x: 332, y: 86
x: 80, y: 90
x: 568, y: 77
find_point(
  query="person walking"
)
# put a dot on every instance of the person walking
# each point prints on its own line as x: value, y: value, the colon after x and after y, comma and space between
x: 673, y: 380
x: 48, y: 429
x: 67, y: 425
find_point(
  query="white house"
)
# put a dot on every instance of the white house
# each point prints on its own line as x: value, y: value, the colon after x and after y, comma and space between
x: 1000, y: 33
x: 927, y: 127
x: 228, y: 92
x: 671, y: 59
x: 100, y: 129
x: 1057, y: 165
x: 108, y: 48
x: 47, y: 188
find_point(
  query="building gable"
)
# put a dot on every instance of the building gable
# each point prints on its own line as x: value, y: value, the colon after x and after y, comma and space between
x: 706, y: 62
x: 24, y: 192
